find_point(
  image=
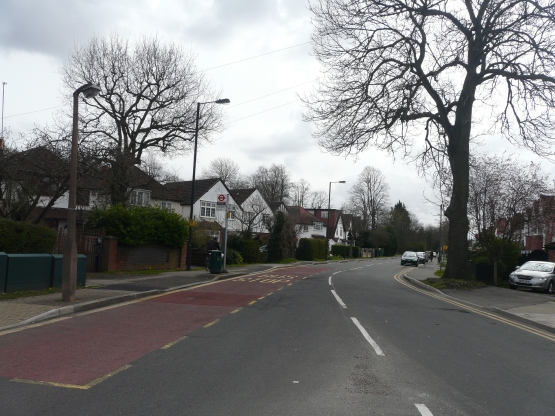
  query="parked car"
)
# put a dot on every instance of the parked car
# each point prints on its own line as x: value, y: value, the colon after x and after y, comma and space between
x: 429, y: 255
x: 409, y: 257
x: 422, y: 258
x: 534, y: 275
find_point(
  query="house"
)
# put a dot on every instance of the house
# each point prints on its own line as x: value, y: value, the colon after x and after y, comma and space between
x: 307, y: 224
x: 256, y: 212
x: 205, y: 204
x: 333, y: 219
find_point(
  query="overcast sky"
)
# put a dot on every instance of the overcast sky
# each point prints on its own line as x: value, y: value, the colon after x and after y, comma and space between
x: 37, y: 36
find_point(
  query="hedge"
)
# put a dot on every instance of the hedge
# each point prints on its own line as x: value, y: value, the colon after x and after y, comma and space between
x: 343, y: 251
x: 249, y: 249
x: 134, y: 226
x: 233, y: 257
x: 311, y: 249
x: 17, y: 237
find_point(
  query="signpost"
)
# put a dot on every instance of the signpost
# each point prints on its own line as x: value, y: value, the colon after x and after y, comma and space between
x: 223, y: 199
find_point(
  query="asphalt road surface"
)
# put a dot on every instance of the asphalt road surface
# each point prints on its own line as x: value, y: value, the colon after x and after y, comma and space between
x: 330, y: 339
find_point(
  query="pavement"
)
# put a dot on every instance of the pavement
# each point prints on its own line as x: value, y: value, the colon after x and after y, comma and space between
x: 533, y: 308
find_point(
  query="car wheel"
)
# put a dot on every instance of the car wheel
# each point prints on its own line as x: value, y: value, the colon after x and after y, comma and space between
x: 513, y: 287
x: 550, y: 287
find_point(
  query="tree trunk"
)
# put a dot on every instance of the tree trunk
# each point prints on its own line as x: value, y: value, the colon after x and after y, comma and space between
x: 458, y: 151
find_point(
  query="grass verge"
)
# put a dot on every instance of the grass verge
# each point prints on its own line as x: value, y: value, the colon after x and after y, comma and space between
x: 440, y: 283
x: 29, y: 293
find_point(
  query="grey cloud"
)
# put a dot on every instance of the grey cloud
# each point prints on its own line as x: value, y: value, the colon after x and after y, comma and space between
x: 52, y: 27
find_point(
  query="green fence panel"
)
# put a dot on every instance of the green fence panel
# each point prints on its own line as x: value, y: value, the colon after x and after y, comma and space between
x: 28, y: 272
x: 3, y: 270
x: 57, y: 265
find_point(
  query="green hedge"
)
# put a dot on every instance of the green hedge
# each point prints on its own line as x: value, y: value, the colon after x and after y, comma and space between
x: 311, y: 249
x: 343, y: 251
x: 249, y: 249
x: 134, y: 226
x: 17, y: 237
x: 233, y: 257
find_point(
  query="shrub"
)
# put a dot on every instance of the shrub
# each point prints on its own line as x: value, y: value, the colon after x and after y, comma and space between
x: 17, y: 237
x: 233, y: 257
x: 135, y: 226
x: 343, y: 251
x: 311, y: 249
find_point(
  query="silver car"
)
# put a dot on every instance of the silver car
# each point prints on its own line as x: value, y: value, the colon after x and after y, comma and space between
x: 535, y: 275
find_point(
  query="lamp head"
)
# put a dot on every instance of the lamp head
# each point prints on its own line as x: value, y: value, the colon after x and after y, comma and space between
x: 222, y: 101
x: 341, y: 182
x: 90, y: 90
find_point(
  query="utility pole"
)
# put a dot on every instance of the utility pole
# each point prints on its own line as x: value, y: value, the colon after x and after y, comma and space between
x: 2, y: 131
x: 440, y: 254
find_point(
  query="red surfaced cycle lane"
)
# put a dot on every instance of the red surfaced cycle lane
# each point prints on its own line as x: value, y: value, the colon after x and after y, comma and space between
x: 95, y: 345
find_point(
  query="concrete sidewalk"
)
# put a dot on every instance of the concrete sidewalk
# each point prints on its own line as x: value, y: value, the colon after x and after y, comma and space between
x: 537, y: 309
x: 108, y: 289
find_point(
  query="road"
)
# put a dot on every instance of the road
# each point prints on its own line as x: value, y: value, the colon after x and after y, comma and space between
x: 328, y: 339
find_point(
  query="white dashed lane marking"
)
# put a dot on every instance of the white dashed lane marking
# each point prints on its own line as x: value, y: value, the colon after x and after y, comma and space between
x: 338, y: 299
x: 424, y: 411
x: 368, y: 337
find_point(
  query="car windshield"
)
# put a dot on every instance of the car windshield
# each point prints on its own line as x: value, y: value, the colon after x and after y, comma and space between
x: 409, y: 254
x: 537, y: 267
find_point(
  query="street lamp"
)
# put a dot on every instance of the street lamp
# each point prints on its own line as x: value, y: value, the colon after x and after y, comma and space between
x: 69, y: 267
x: 190, y: 240
x: 328, y: 222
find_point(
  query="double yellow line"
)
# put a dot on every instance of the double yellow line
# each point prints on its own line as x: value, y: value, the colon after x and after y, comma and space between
x: 516, y: 324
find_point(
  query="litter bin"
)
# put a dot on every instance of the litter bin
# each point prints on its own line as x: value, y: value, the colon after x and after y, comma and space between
x: 215, y: 263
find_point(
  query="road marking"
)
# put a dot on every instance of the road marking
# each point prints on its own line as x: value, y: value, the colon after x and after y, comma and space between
x: 424, y: 411
x: 236, y: 310
x: 73, y: 386
x: 211, y: 323
x: 171, y: 344
x: 524, y: 327
x: 252, y: 303
x: 338, y: 299
x: 368, y: 337
x: 356, y: 268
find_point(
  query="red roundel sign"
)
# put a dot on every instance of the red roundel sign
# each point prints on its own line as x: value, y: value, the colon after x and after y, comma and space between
x: 221, y: 198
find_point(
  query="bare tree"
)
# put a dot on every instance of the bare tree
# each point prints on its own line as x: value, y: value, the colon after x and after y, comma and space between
x: 396, y: 70
x: 274, y: 183
x: 502, y: 190
x: 154, y: 168
x: 33, y: 178
x: 369, y: 196
x: 148, y: 101
x: 228, y: 171
x: 255, y: 216
x: 300, y: 192
x: 318, y: 200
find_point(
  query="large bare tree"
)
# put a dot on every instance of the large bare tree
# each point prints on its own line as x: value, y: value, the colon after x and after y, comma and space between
x: 502, y: 191
x: 396, y: 71
x: 369, y: 197
x: 274, y: 183
x: 300, y: 193
x: 227, y: 170
x: 148, y: 97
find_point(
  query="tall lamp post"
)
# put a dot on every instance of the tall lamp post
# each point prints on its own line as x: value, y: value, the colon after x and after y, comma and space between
x: 69, y: 267
x: 328, y: 222
x: 190, y: 239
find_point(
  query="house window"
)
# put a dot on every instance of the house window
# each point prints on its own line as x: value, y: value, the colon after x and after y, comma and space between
x: 324, y: 214
x: 231, y: 210
x: 139, y: 197
x: 266, y: 218
x: 207, y: 209
x: 166, y: 206
x: 317, y: 226
x: 304, y: 228
x: 83, y: 197
x: 249, y: 216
